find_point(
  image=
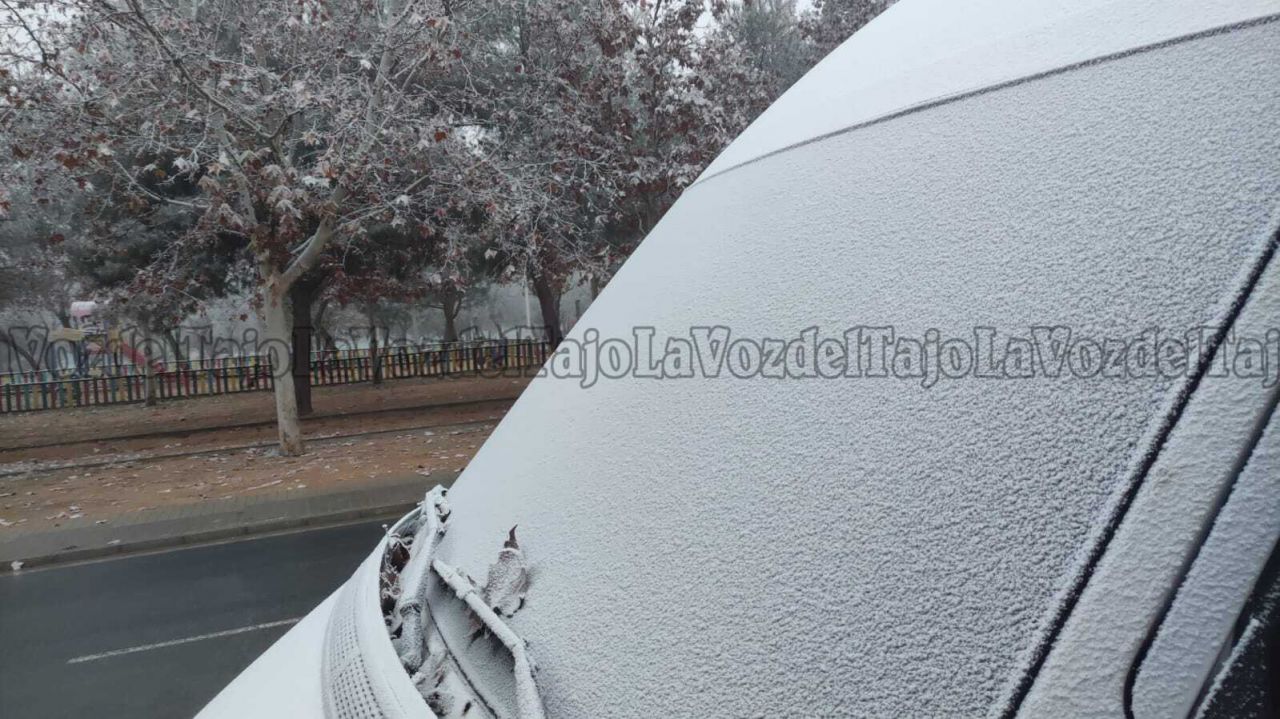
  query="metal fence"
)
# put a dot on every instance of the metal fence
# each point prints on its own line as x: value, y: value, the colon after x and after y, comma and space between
x: 122, y: 384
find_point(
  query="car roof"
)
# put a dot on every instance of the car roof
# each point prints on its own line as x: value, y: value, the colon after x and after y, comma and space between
x: 920, y: 52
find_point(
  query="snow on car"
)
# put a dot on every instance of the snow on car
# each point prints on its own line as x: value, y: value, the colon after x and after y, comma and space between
x: 850, y: 542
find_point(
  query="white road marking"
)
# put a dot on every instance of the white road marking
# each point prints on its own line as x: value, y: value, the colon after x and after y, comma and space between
x: 185, y: 640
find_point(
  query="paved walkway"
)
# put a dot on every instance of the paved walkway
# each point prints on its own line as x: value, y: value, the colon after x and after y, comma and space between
x: 215, y: 520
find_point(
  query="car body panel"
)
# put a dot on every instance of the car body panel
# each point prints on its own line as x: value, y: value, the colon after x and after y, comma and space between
x: 1179, y: 496
x: 1171, y: 676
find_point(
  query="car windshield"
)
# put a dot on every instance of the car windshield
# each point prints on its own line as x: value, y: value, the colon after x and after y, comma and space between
x: 762, y: 546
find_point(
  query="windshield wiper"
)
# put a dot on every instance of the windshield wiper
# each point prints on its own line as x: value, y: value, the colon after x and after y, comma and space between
x: 406, y: 582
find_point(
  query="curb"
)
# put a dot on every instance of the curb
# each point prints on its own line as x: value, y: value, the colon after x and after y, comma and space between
x: 397, y: 499
x: 187, y: 431
x: 227, y: 449
x: 211, y: 536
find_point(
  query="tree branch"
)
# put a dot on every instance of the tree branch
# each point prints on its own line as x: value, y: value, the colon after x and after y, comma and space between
x: 186, y: 75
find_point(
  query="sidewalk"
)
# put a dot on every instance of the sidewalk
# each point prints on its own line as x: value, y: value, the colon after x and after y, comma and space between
x: 215, y: 520
x: 19, y: 432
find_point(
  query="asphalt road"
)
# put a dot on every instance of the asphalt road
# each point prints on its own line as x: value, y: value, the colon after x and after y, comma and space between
x: 129, y: 637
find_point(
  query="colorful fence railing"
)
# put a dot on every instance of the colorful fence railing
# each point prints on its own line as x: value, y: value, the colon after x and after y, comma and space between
x: 48, y: 390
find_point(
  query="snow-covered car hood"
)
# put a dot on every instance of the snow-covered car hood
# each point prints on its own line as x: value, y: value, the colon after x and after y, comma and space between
x: 861, y: 545
x: 337, y: 662
x: 285, y: 680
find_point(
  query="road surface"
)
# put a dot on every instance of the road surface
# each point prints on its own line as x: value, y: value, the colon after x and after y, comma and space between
x: 158, y: 635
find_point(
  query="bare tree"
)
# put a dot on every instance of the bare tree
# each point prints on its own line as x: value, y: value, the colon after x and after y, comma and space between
x: 301, y: 123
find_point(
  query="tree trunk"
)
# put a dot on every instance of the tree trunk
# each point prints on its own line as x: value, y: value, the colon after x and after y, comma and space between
x: 375, y: 362
x: 549, y: 305
x: 327, y: 343
x: 276, y: 320
x: 175, y: 344
x: 320, y: 329
x: 451, y: 305
x: 301, y: 296
x: 148, y: 385
x: 148, y: 370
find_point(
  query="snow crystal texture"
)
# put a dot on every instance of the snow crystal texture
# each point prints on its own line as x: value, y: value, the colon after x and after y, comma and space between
x: 1086, y: 673
x: 921, y: 51
x: 1210, y: 600
x: 866, y: 547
